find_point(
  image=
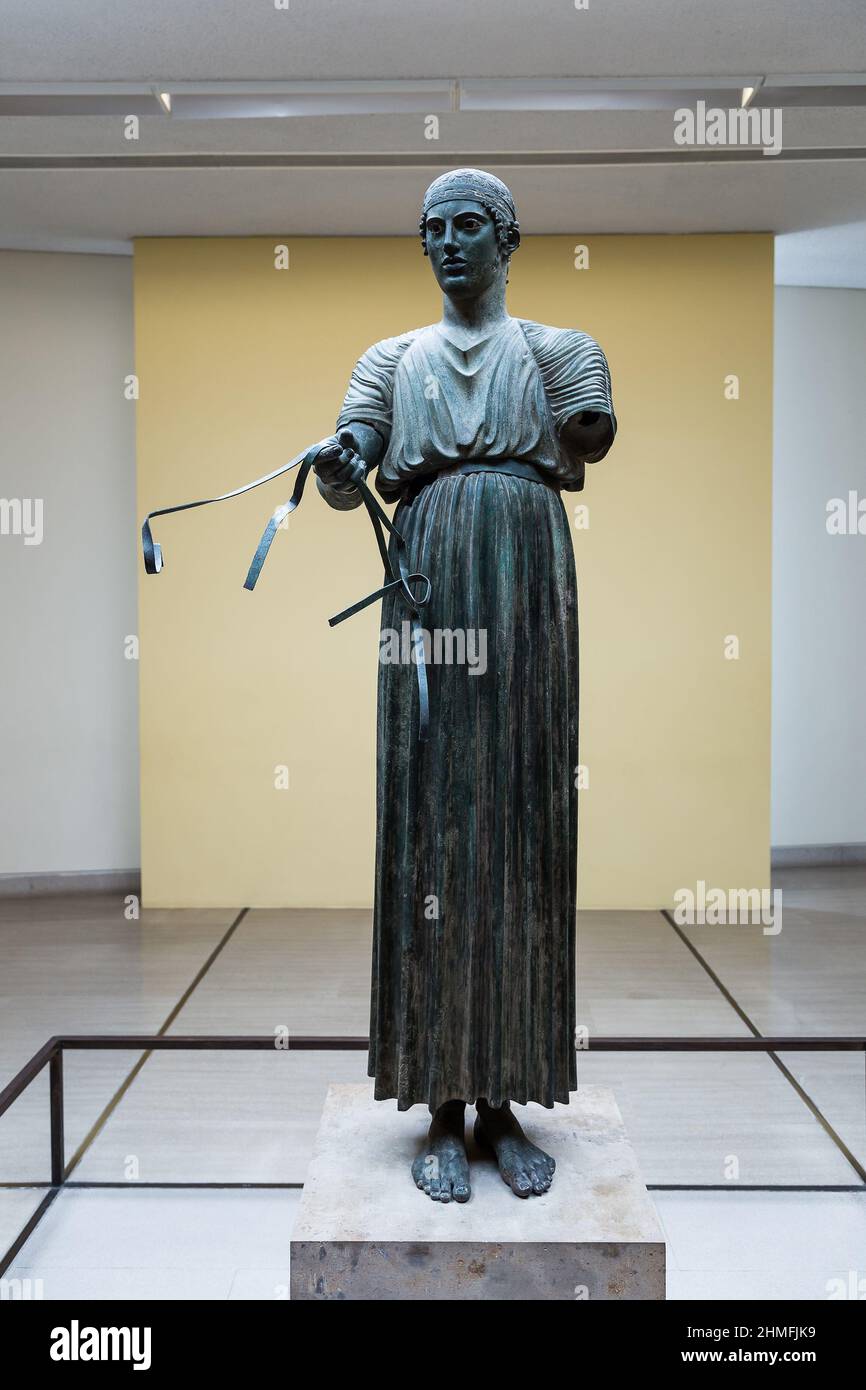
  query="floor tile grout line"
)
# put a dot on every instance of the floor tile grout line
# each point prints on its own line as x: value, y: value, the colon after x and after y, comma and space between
x: 218, y: 949
x: 807, y: 1100
x: 24, y: 1235
x: 103, y: 1118
x: 717, y: 981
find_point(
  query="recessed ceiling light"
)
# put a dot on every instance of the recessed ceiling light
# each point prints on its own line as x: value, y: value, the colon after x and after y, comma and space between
x: 165, y: 102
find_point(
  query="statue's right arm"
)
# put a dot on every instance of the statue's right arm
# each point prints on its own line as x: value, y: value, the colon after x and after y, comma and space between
x: 362, y: 451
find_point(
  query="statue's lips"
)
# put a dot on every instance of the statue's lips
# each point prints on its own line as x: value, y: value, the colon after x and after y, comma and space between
x: 453, y: 265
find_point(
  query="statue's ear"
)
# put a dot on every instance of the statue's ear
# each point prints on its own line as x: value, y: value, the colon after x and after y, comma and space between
x: 512, y: 240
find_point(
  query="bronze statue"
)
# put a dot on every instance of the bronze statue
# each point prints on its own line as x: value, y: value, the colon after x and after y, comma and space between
x: 475, y: 425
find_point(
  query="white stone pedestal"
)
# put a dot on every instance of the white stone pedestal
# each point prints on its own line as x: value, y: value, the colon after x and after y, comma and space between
x: 365, y: 1231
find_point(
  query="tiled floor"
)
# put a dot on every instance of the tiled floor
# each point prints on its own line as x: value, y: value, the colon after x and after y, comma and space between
x: 153, y: 1244
x: 77, y: 965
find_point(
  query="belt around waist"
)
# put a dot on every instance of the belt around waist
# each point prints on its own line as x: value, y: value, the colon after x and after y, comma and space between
x: 513, y: 467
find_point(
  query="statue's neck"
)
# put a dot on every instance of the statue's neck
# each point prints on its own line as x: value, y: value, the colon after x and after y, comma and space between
x: 478, y: 314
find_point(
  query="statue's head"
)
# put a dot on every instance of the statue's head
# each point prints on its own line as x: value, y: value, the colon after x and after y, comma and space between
x: 469, y: 229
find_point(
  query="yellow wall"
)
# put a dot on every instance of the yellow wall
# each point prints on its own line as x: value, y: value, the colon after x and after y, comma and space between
x: 241, y: 365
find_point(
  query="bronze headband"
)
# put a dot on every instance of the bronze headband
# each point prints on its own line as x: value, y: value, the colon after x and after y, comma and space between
x: 475, y: 185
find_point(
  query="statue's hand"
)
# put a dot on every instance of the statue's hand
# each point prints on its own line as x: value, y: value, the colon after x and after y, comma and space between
x: 340, y: 466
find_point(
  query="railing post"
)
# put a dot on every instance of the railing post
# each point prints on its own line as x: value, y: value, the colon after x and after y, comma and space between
x: 55, y: 1086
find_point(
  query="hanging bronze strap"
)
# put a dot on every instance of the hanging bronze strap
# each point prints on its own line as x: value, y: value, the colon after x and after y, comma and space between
x: 397, y: 574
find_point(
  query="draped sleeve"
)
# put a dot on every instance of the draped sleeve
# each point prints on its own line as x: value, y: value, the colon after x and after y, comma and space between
x: 575, y: 374
x: 370, y: 397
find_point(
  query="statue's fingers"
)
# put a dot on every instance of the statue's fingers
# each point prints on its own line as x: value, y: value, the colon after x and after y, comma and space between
x: 344, y: 473
x: 348, y: 460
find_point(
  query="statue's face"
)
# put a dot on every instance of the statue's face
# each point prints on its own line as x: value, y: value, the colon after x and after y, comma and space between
x: 463, y: 249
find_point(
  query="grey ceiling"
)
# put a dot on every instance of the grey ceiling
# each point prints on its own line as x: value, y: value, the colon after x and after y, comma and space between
x: 621, y: 172
x: 197, y: 39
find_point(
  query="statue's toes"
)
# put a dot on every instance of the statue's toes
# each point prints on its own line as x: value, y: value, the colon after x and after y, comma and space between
x: 544, y: 1166
x: 456, y: 1178
x: 519, y: 1182
x: 543, y: 1163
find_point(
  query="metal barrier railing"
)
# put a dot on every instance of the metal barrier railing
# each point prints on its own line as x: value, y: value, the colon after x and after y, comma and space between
x: 52, y: 1052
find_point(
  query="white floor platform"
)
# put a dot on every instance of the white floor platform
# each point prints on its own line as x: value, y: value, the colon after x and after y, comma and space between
x: 364, y: 1230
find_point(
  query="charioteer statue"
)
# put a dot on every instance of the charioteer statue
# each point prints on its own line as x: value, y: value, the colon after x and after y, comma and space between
x: 475, y: 425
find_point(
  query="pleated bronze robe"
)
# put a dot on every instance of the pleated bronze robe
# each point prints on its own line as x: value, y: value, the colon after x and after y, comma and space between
x: 474, y: 978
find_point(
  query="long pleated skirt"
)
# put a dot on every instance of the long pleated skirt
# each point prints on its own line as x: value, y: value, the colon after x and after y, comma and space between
x: 473, y: 991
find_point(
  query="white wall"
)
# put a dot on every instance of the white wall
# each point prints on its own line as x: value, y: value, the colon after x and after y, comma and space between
x: 68, y: 697
x: 819, y: 580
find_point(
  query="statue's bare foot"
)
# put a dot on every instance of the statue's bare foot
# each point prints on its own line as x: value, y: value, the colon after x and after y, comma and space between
x: 524, y: 1166
x: 442, y: 1169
